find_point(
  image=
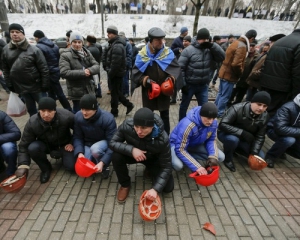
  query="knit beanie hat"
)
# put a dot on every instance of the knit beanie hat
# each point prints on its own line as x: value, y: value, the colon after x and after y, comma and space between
x: 122, y: 34
x: 16, y: 26
x: 209, y: 110
x: 183, y: 30
x: 276, y: 37
x: 261, y: 97
x: 47, y: 103
x: 143, y: 117
x: 203, y: 33
x: 76, y: 36
x: 251, y: 34
x: 187, y: 38
x: 88, y: 101
x: 38, y: 34
x: 68, y: 33
x: 91, y: 39
x: 112, y: 29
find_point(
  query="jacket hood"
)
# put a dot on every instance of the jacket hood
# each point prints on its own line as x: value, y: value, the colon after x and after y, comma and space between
x: 46, y: 42
x: 118, y: 40
x: 194, y: 115
x: 297, y: 100
x: 158, y: 126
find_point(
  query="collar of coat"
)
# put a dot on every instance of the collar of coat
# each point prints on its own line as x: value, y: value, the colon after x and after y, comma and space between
x: 244, y: 39
x: 23, y: 46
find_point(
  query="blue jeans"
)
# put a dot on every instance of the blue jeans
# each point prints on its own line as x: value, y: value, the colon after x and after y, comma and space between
x: 283, y: 144
x: 9, y: 153
x: 197, y: 152
x: 231, y: 143
x: 96, y: 151
x: 30, y: 100
x: 224, y: 94
x: 125, y: 86
x: 201, y: 93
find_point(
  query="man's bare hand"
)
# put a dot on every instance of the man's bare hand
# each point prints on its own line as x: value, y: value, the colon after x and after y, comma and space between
x: 87, y: 72
x: 99, y: 167
x: 151, y: 194
x: 69, y: 147
x: 201, y: 171
x: 138, y: 155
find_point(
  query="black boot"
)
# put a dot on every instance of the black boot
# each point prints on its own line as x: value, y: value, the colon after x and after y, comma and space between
x: 230, y: 165
x: 270, y: 163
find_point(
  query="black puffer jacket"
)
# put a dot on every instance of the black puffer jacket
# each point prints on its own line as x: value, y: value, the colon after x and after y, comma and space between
x: 25, y: 68
x: 281, y: 71
x: 9, y: 131
x: 115, y: 62
x: 55, y: 134
x: 237, y: 118
x: 72, y: 69
x: 156, y: 144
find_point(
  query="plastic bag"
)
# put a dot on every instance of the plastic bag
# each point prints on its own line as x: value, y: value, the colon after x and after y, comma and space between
x: 15, y: 106
x: 96, y: 80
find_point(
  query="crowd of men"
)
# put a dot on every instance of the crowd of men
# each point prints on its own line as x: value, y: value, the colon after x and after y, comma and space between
x: 270, y: 81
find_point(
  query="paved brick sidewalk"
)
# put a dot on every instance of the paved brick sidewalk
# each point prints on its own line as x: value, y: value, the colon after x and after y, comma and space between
x: 241, y: 205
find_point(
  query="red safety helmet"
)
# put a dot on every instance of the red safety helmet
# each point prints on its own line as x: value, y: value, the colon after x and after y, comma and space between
x: 84, y: 167
x: 149, y: 210
x: 13, y: 184
x: 154, y: 90
x: 256, y: 163
x: 206, y: 180
x: 167, y: 87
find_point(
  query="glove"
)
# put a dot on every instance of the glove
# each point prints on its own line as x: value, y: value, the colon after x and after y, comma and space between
x: 247, y: 137
x: 12, y: 89
x: 185, y: 89
x: 206, y: 45
x: 45, y: 89
x: 148, y: 83
x: 21, y: 172
x: 212, y: 162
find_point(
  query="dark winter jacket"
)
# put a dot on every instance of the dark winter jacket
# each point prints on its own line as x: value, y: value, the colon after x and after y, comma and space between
x: 237, y: 118
x: 51, y: 53
x: 2, y: 45
x: 135, y: 52
x: 98, y: 45
x: 196, y: 62
x: 25, y: 68
x: 253, y: 78
x: 191, y: 132
x: 9, y: 131
x: 177, y: 44
x: 72, y: 69
x: 95, y: 52
x: 128, y: 54
x: 156, y: 145
x: 281, y: 71
x: 55, y: 134
x: 101, y: 126
x: 115, y: 61
x: 286, y: 122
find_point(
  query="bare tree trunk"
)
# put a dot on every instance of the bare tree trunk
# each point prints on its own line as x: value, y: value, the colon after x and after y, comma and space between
x: 37, y: 5
x: 232, y: 9
x: 290, y: 4
x: 198, y: 6
x: 12, y: 7
x: 297, y: 23
x: 82, y: 6
x: 3, y: 16
x: 214, y: 9
x: 204, y: 12
x: 98, y: 6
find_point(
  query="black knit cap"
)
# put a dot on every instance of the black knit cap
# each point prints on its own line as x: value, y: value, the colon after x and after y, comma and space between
x: 143, y: 117
x: 187, y: 38
x: 68, y: 33
x: 261, y: 97
x: 91, y: 39
x: 276, y: 37
x: 88, y: 101
x: 38, y: 34
x: 16, y: 26
x: 112, y: 29
x: 47, y: 103
x: 203, y: 33
x: 251, y: 34
x: 209, y: 110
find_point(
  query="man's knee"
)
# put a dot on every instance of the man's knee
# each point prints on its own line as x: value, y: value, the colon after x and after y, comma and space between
x: 35, y: 147
x: 8, y: 148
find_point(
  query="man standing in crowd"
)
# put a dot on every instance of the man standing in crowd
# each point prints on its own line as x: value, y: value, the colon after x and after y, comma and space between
x: 194, y: 138
x: 93, y: 130
x: 281, y: 72
x: 47, y: 132
x: 232, y: 68
x: 115, y: 64
x: 51, y: 54
x: 215, y: 71
x: 187, y: 41
x: 146, y: 143
x: 284, y: 130
x: 197, y: 73
x: 230, y: 40
x: 25, y: 68
x: 156, y: 62
x: 243, y: 128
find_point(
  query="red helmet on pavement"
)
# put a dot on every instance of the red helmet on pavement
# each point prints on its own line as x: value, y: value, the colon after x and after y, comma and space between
x: 167, y: 87
x: 149, y: 210
x: 207, y: 180
x: 84, y: 167
x: 13, y: 184
x: 256, y: 163
x: 154, y: 90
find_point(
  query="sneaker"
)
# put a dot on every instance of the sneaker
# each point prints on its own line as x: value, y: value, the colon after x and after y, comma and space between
x: 105, y: 173
x: 129, y: 108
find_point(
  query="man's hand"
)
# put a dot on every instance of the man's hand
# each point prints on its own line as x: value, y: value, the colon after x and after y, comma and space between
x: 206, y: 45
x: 87, y: 72
x: 151, y: 194
x: 69, y: 147
x: 81, y: 155
x: 138, y: 155
x: 99, y: 167
x: 20, y: 172
x: 201, y: 171
x: 212, y: 162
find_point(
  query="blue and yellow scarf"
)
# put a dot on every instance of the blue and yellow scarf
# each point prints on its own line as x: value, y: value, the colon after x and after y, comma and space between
x: 145, y: 58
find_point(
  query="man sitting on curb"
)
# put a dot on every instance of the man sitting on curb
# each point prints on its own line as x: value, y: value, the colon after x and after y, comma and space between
x: 243, y: 127
x: 47, y: 132
x: 93, y: 130
x: 146, y: 143
x: 194, y: 138
x: 284, y: 130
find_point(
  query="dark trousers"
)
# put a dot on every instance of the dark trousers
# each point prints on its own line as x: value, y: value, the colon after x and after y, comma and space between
x: 120, y: 162
x: 166, y: 119
x: 117, y: 95
x: 38, y: 152
x: 238, y: 93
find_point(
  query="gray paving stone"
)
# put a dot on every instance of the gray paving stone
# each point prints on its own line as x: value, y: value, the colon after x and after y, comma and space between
x: 215, y: 220
x: 210, y: 207
x: 124, y: 237
x: 254, y: 232
x: 69, y: 205
x: 196, y: 196
x: 97, y: 213
x: 33, y: 235
x: 181, y: 215
x: 51, y: 203
x: 47, y: 194
x: 61, y: 222
x: 82, y: 196
x: 46, y: 230
x: 161, y: 231
x: 184, y: 232
x: 127, y: 224
x: 172, y: 224
x: 115, y: 231
x: 249, y: 206
x: 105, y: 223
x: 189, y: 206
x: 149, y: 228
x: 247, y: 220
x: 76, y: 212
x: 169, y: 206
x: 239, y: 226
x: 37, y: 210
x: 268, y: 219
x: 235, y: 198
x: 264, y: 231
x: 231, y: 232
x: 194, y: 225
x: 24, y: 230
x: 117, y: 213
x: 221, y: 191
x: 201, y: 211
x: 254, y: 199
x: 64, y: 195
x: 216, y: 198
x: 185, y: 192
x: 177, y: 198
x: 89, y: 204
x: 55, y: 235
x: 137, y: 230
x: 223, y: 215
x: 39, y: 223
x: 101, y: 196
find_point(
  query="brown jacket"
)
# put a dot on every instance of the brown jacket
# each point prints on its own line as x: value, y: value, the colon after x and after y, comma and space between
x: 234, y: 63
x: 253, y: 79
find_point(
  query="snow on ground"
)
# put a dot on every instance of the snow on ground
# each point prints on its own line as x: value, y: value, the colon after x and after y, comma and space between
x: 56, y: 25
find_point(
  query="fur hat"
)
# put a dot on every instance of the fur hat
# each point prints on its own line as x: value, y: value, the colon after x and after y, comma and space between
x: 76, y: 36
x: 16, y: 26
x: 91, y: 39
